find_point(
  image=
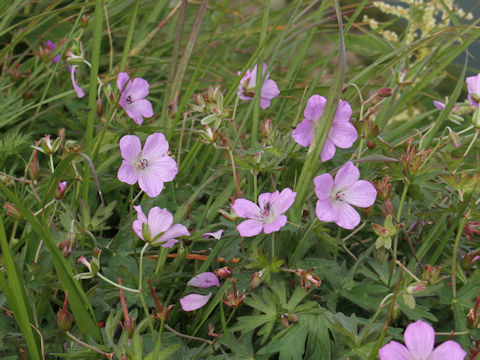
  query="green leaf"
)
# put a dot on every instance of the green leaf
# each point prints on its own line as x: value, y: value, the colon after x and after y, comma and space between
x: 290, y: 343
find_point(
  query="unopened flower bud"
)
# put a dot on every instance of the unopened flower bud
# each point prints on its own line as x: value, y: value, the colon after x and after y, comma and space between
x: 256, y: 280
x: 13, y: 211
x: 415, y: 288
x: 396, y: 312
x: 285, y: 322
x: 385, y: 92
x: 84, y: 20
x: 99, y: 107
x: 34, y: 166
x: 292, y: 317
x: 71, y: 146
x: 64, y: 319
x: 454, y: 138
x: 431, y: 273
x: 223, y: 273
x: 60, y: 190
x: 266, y: 128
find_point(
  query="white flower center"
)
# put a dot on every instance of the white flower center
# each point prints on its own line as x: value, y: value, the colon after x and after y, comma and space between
x: 267, y: 213
x: 337, y: 196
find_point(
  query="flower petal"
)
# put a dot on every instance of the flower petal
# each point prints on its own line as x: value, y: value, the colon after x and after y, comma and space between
x: 249, y: 228
x: 159, y: 221
x: 137, y: 224
x: 265, y: 198
x: 204, y: 280
x: 346, y: 176
x: 77, y: 88
x: 314, y: 108
x: 164, y: 169
x: 172, y: 233
x: 326, y: 211
x: 348, y: 217
x: 169, y: 243
x: 130, y: 147
x: 276, y: 225
x: 126, y: 173
x: 343, y: 134
x: 246, y: 209
x: 473, y: 86
x: 283, y: 201
x: 439, y: 105
x: 323, y: 186
x: 420, y: 339
x: 139, y: 89
x: 156, y: 145
x: 449, y: 350
x: 394, y: 351
x: 216, y: 235
x: 152, y: 186
x: 194, y: 301
x: 328, y: 150
x: 303, y: 133
x: 362, y: 194
x: 269, y: 91
x: 343, y: 113
x: 122, y: 80
x: 139, y: 109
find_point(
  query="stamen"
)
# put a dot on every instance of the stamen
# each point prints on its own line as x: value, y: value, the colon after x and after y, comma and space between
x: 142, y: 164
x: 129, y: 100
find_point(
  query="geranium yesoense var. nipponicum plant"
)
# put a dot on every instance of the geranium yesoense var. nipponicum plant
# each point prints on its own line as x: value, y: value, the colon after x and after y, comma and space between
x: 342, y: 133
x: 336, y: 197
x: 132, y: 97
x: 158, y: 228
x: 150, y: 166
x: 268, y: 215
x: 196, y: 301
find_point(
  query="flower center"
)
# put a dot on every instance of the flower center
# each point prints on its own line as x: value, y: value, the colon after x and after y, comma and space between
x: 143, y: 164
x: 129, y: 100
x: 337, y: 196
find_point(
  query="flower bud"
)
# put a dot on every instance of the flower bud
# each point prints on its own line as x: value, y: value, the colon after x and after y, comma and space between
x: 431, y: 273
x: 256, y: 280
x: 454, y: 138
x: 64, y: 319
x: 60, y: 190
x: 385, y: 92
x: 84, y: 20
x: 415, y: 288
x: 284, y: 321
x: 34, y: 166
x: 71, y: 146
x: 13, y: 211
x: 396, y: 312
x: 223, y: 273
x: 99, y: 107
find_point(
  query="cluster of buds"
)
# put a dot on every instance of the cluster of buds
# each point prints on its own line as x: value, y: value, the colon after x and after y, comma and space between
x: 431, y: 274
x: 13, y: 211
x: 307, y: 278
x: 413, y: 158
x: 471, y: 228
x: 93, y: 266
x: 234, y: 299
x: 68, y: 245
x: 128, y: 324
x: 473, y: 317
x: 6, y: 181
x: 385, y: 233
x: 288, y: 318
x: 64, y: 319
x: 211, y: 105
x: 384, y: 190
x: 161, y: 315
x: 208, y: 136
x: 45, y: 52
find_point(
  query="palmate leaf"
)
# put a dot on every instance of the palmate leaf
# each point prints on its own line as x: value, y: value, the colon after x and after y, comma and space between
x: 289, y: 343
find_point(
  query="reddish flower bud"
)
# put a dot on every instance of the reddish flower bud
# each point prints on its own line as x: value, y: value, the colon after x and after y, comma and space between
x: 431, y: 273
x: 64, y: 319
x: 223, y: 273
x: 307, y: 278
x: 385, y: 92
x: 34, y: 166
x: 99, y: 107
x: 256, y: 280
x: 60, y: 190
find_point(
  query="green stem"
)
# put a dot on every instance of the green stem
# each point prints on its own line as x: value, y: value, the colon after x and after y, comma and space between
x: 461, y: 225
x: 399, y: 214
x: 147, y: 314
x: 115, y: 284
x: 128, y: 40
x: 140, y: 268
x: 273, y: 245
x: 52, y: 168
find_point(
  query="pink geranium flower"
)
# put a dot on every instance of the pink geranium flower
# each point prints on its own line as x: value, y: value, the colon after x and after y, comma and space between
x: 217, y: 235
x: 151, y: 167
x: 132, y: 97
x: 342, y: 133
x: 267, y: 216
x: 157, y: 228
x: 246, y: 89
x: 336, y: 197
x: 196, y: 301
x: 73, y: 71
x: 473, y: 86
x: 420, y: 340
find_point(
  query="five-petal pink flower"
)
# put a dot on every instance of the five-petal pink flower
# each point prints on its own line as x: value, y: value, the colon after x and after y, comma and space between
x: 267, y: 215
x: 342, y: 133
x: 196, y: 301
x: 420, y: 340
x: 158, y: 227
x: 151, y: 167
x: 336, y: 197
x: 132, y: 97
x: 246, y: 89
x: 473, y: 86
